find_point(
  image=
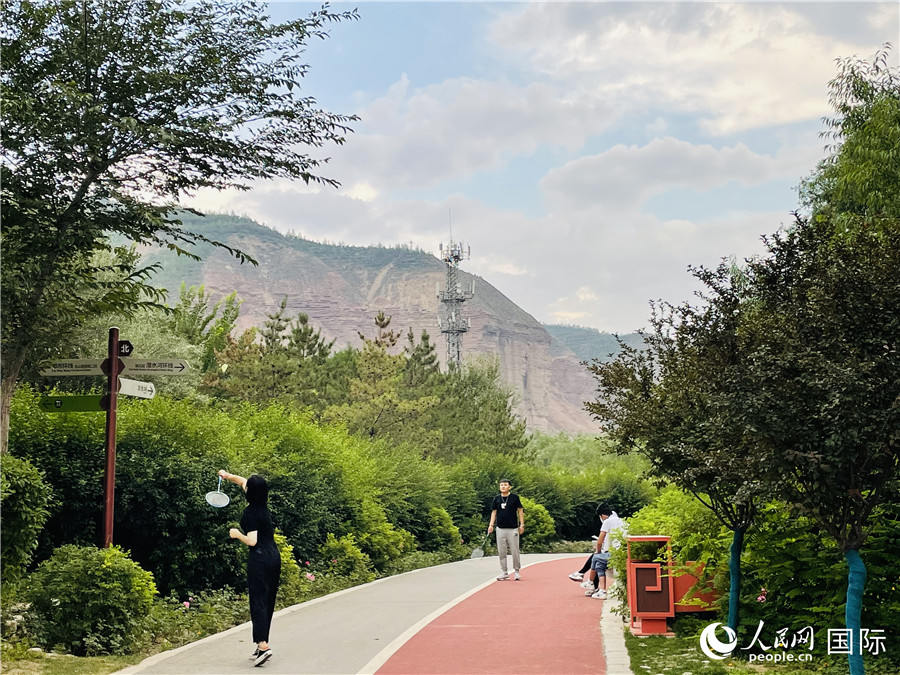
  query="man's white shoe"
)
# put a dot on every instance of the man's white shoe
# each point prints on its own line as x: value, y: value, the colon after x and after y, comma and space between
x: 599, y: 595
x: 516, y: 576
x: 590, y: 592
x: 503, y: 577
x: 576, y: 576
x: 587, y: 583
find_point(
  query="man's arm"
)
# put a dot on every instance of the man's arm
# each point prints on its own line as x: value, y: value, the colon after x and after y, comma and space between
x: 493, y: 520
x: 600, y: 540
x: 521, y: 513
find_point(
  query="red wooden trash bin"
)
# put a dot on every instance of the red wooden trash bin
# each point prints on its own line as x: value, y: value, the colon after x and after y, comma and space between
x: 651, y: 597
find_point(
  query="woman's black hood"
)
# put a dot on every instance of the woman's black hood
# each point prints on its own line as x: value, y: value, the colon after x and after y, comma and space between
x: 257, y: 491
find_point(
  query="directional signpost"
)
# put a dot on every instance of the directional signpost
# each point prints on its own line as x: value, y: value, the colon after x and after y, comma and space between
x: 118, y: 360
x: 136, y: 388
x: 154, y: 366
x: 71, y: 403
x: 73, y: 367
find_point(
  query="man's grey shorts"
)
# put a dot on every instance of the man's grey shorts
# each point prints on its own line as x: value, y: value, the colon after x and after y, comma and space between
x: 599, y: 562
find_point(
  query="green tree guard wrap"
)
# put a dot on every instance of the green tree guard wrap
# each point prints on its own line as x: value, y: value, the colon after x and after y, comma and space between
x: 734, y: 573
x: 856, y: 582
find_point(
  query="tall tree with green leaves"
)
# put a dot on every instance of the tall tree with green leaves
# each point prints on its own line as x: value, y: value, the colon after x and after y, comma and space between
x: 377, y: 406
x: 834, y: 279
x: 673, y: 403
x: 860, y: 177
x: 825, y: 377
x: 112, y: 112
x: 203, y: 326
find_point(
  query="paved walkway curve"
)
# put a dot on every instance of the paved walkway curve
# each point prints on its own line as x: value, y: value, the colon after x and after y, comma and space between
x: 426, y: 621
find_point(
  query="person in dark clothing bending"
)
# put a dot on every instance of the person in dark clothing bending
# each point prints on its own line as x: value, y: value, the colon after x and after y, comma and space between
x: 263, y: 560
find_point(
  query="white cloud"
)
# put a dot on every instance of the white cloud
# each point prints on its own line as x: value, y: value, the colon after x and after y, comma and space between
x: 738, y: 66
x: 624, y: 177
x: 419, y: 137
x: 585, y: 294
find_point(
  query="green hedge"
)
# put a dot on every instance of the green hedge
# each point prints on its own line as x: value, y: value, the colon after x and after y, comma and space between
x: 24, y: 501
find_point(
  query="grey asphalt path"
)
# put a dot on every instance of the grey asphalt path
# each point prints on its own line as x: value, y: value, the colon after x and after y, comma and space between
x: 349, y: 632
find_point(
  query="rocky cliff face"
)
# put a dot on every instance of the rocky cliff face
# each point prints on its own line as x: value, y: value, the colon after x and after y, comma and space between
x: 341, y: 288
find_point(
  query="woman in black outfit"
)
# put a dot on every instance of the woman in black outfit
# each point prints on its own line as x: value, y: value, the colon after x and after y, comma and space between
x: 263, y: 561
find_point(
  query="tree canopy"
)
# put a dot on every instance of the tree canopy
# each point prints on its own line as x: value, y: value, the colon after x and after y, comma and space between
x: 115, y: 111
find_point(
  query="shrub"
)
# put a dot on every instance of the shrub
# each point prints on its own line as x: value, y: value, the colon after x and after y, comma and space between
x: 380, y: 540
x: 441, y: 532
x: 290, y: 588
x: 24, y: 500
x: 805, y: 576
x: 343, y: 558
x: 90, y: 600
x: 539, y: 526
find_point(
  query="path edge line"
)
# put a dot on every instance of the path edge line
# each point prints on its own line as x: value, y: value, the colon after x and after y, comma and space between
x: 394, y: 645
x: 247, y: 625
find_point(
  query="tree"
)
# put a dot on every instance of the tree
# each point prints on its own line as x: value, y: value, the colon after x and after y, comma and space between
x: 112, y: 112
x: 194, y: 320
x: 289, y: 362
x: 825, y: 372
x: 377, y: 405
x: 861, y: 175
x: 674, y: 402
x: 476, y: 413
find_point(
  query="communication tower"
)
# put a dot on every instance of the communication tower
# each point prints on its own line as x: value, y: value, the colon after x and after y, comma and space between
x: 452, y: 322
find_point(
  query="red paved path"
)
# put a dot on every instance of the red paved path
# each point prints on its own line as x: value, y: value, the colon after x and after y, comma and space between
x: 541, y: 624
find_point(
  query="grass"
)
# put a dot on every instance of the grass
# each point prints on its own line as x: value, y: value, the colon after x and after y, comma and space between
x: 64, y: 664
x: 677, y: 656
x: 682, y: 656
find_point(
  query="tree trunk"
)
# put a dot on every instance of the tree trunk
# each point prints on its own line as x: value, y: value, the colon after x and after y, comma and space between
x: 734, y: 572
x: 856, y: 582
x: 7, y: 389
x: 11, y: 368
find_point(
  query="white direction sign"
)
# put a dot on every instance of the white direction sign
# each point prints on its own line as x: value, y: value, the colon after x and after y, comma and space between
x: 73, y: 367
x: 136, y: 388
x: 157, y: 366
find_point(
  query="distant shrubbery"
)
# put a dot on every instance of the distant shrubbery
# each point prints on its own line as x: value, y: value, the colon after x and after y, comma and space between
x: 348, y: 509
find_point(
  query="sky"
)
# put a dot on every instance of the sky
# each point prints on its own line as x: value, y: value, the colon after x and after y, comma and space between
x: 588, y: 153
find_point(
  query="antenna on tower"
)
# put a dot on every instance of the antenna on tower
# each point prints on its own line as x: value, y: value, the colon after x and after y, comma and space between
x: 453, y: 324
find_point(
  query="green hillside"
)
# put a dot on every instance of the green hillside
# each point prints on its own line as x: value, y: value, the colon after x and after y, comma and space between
x: 589, y: 343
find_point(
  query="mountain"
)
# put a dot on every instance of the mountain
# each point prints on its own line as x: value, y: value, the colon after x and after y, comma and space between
x: 589, y: 343
x: 341, y: 288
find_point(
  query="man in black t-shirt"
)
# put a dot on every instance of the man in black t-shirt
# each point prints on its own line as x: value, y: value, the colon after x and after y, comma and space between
x: 509, y: 517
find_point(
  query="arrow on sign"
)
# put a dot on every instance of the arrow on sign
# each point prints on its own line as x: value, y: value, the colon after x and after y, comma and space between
x: 162, y: 366
x: 70, y: 404
x: 136, y: 388
x: 75, y: 367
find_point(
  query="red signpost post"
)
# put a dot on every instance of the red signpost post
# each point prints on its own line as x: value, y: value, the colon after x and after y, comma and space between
x: 112, y: 390
x: 112, y: 366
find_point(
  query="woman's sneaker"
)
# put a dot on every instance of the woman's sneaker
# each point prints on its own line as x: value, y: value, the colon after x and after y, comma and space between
x: 576, y: 576
x: 254, y: 654
x: 587, y: 583
x: 590, y: 592
x: 262, y: 657
x: 599, y: 595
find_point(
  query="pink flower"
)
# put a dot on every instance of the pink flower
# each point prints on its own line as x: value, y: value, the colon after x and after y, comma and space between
x: 333, y: 561
x: 311, y: 577
x: 760, y: 598
x: 306, y: 563
x: 187, y: 604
